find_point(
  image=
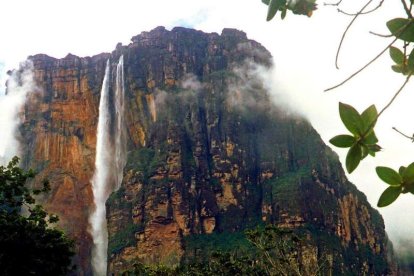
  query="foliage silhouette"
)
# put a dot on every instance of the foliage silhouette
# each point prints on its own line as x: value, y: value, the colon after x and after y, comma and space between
x: 28, y: 246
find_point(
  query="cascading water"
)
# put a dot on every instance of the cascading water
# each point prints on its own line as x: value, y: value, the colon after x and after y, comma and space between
x: 100, y: 182
x: 109, y: 164
x: 120, y: 134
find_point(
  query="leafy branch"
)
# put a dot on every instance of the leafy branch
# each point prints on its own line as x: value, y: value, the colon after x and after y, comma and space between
x: 399, y: 182
x: 362, y: 140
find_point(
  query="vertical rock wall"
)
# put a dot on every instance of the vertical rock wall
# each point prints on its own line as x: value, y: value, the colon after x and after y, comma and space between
x: 208, y: 156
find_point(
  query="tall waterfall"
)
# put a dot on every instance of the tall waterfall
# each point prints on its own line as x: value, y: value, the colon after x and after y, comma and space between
x: 109, y: 163
x: 120, y: 128
x: 100, y: 181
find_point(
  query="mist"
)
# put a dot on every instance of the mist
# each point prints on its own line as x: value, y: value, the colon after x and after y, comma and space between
x: 190, y: 87
x: 12, y: 99
x: 109, y: 163
x: 298, y: 95
x: 3, y: 75
x: 304, y: 94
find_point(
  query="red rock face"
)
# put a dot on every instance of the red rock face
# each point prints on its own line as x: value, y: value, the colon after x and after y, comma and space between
x: 60, y: 139
x: 208, y: 154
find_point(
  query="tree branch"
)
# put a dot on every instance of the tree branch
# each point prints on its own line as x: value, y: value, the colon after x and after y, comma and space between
x: 406, y: 136
x: 387, y: 106
x: 346, y: 31
x: 380, y: 35
x: 363, y: 13
x: 333, y: 4
x: 395, y: 96
x: 407, y: 10
x: 361, y: 69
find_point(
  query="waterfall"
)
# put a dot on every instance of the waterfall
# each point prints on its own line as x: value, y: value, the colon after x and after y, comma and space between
x: 100, y: 181
x: 109, y: 163
x: 120, y: 131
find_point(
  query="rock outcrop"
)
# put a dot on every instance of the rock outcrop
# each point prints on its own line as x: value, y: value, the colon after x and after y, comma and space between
x: 209, y: 155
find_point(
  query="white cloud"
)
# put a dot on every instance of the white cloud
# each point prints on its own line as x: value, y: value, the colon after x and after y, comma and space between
x: 3, y: 77
x: 19, y: 84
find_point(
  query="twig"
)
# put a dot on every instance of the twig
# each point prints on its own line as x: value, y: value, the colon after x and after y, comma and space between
x: 395, y: 95
x: 407, y: 10
x: 387, y: 106
x: 363, y: 13
x: 406, y: 136
x: 346, y: 31
x: 380, y: 35
x: 333, y: 4
x: 361, y: 69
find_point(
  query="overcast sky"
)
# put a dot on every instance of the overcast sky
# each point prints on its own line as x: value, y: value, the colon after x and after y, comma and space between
x: 303, y: 50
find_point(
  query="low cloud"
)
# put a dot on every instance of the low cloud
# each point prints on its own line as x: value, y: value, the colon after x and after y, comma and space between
x: 19, y: 84
x: 191, y: 83
x: 189, y: 87
x: 253, y: 88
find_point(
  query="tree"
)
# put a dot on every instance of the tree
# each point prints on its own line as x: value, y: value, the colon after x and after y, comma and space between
x: 362, y: 140
x: 220, y: 263
x: 276, y: 251
x: 28, y: 245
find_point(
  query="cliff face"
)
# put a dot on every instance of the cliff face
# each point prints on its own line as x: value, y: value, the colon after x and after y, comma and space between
x: 208, y: 156
x: 59, y: 138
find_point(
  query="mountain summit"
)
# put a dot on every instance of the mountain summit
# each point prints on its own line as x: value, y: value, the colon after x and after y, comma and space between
x: 209, y: 155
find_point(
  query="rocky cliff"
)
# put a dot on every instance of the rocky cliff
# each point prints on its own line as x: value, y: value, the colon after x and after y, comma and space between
x: 209, y: 155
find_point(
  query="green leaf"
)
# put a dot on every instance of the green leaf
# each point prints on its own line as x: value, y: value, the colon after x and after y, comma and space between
x: 369, y: 117
x: 402, y: 28
x: 408, y: 174
x: 410, y: 188
x: 343, y: 141
x: 389, y: 196
x: 397, y: 55
x: 283, y: 15
x: 410, y: 62
x: 389, y: 176
x: 272, y: 9
x: 351, y: 119
x: 372, y: 149
x: 401, y: 170
x: 266, y: 2
x: 364, y: 151
x: 353, y: 158
x: 303, y: 7
x: 397, y: 68
x: 274, y: 5
x: 370, y: 139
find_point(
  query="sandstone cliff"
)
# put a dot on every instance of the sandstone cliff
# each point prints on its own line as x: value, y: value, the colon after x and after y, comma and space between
x: 209, y: 156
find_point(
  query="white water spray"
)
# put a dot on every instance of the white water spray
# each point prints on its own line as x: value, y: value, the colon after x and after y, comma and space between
x: 19, y: 84
x: 100, y: 182
x: 120, y: 130
x: 109, y: 164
